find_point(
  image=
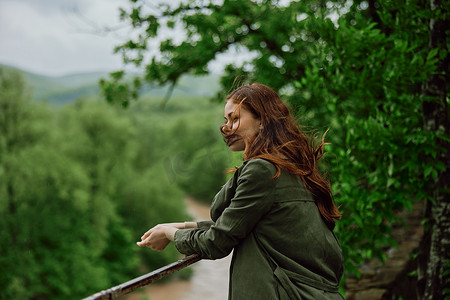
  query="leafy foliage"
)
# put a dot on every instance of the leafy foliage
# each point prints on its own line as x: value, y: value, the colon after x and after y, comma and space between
x: 79, y: 185
x: 44, y: 196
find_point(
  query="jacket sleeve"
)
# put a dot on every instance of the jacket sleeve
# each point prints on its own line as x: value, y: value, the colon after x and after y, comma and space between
x: 205, y: 224
x: 250, y: 202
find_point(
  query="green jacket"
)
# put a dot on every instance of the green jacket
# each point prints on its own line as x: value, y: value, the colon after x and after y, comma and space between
x: 282, y: 247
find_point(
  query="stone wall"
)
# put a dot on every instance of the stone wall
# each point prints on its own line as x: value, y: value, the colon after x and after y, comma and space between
x: 377, y: 279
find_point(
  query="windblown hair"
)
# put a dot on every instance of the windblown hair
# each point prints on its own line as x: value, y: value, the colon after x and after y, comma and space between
x: 282, y: 141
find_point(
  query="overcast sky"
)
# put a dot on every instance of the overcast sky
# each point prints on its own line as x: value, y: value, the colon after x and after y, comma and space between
x: 54, y: 37
x: 58, y: 37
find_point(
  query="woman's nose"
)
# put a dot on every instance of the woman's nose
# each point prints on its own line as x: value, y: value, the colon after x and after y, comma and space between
x: 225, y: 128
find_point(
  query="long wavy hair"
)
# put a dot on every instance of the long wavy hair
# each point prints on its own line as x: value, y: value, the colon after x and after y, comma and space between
x: 282, y: 141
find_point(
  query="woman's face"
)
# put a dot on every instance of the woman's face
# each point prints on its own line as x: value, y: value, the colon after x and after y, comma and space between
x: 240, y: 126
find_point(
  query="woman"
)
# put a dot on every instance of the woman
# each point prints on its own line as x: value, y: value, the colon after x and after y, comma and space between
x: 276, y: 212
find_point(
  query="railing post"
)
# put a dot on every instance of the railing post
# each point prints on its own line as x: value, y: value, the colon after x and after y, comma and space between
x: 129, y: 286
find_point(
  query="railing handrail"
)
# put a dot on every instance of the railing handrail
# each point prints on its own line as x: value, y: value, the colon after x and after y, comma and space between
x: 129, y: 286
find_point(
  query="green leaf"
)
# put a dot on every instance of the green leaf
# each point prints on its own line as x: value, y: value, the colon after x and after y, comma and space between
x: 432, y: 54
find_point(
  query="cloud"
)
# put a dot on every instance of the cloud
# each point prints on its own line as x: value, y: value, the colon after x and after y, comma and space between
x: 45, y: 6
x: 54, y: 38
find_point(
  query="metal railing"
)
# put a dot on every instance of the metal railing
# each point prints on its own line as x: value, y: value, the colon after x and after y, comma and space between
x: 129, y: 286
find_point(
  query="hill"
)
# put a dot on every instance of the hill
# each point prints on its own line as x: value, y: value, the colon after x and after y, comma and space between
x: 58, y: 90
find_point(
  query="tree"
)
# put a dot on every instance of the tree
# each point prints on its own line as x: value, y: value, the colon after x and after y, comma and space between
x: 91, y: 139
x: 434, y: 259
x: 363, y: 68
x: 196, y: 165
x: 43, y: 197
x: 199, y: 164
x: 77, y: 190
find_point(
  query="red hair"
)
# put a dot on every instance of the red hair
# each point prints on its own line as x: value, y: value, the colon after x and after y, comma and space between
x: 282, y: 142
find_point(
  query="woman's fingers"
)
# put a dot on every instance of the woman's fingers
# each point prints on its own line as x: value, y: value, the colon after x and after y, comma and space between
x: 149, y: 232
x: 155, y: 238
x: 154, y: 245
x: 145, y: 242
x: 146, y: 235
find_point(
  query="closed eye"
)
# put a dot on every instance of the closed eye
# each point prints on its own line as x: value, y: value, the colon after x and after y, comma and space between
x: 233, y: 120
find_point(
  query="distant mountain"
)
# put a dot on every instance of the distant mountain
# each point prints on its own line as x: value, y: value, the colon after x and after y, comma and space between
x: 59, y: 90
x: 188, y: 86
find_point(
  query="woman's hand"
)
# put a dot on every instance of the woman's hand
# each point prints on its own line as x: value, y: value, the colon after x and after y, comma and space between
x: 158, y: 237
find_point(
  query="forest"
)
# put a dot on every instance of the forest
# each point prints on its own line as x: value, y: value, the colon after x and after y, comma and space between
x: 373, y: 73
x: 80, y: 183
